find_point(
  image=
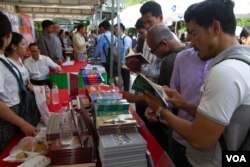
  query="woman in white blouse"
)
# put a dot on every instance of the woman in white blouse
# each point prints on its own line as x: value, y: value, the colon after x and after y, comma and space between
x: 15, y: 53
x: 9, y: 93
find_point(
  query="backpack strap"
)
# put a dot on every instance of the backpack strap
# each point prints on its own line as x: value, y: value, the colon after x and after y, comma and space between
x: 19, y: 79
x: 108, y: 44
x: 223, y: 144
x: 243, y: 59
x: 222, y: 140
x: 123, y: 40
x: 106, y: 39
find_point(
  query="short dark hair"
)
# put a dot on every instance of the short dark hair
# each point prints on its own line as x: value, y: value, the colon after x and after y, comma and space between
x: 33, y: 44
x: 205, y: 12
x: 121, y: 26
x: 16, y: 39
x: 105, y: 24
x: 153, y: 7
x: 245, y: 32
x: 5, y: 28
x: 139, y: 24
x: 47, y: 23
x: 80, y: 26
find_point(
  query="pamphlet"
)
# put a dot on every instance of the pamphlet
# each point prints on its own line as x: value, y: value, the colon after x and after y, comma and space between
x: 142, y: 84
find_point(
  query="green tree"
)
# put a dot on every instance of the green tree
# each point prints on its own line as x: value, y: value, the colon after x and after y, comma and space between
x: 243, y: 22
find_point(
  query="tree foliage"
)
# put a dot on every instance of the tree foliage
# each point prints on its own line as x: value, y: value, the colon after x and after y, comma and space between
x: 243, y: 22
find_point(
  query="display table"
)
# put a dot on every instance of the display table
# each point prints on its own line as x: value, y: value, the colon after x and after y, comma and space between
x: 160, y: 158
x: 74, y: 68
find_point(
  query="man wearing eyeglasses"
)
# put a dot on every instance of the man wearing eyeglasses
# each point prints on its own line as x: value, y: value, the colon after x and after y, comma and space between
x: 165, y: 46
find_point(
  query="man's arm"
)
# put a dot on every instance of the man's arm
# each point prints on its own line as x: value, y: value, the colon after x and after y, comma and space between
x: 177, y: 100
x: 201, y: 134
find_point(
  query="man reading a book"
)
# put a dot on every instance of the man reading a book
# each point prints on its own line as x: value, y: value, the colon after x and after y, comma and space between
x: 165, y: 46
x: 225, y: 93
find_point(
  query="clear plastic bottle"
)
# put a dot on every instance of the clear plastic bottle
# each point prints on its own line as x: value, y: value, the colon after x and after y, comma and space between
x: 47, y: 94
x: 65, y: 125
x: 55, y: 94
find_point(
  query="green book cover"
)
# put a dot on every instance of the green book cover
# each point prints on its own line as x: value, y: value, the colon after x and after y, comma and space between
x: 142, y: 84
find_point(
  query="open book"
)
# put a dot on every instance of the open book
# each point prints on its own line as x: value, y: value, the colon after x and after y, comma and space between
x: 142, y: 84
x: 140, y: 56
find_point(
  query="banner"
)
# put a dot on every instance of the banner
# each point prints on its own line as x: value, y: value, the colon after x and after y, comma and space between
x: 26, y: 28
x: 13, y: 19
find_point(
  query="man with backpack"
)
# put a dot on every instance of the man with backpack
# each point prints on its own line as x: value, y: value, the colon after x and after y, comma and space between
x: 126, y: 43
x: 223, y: 112
x: 102, y: 49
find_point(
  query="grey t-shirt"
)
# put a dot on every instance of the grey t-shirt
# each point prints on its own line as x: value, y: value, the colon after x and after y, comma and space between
x: 226, y: 97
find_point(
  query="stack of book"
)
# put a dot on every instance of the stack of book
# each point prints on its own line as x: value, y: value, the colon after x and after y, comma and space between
x: 124, y: 149
x: 105, y: 96
x: 92, y: 79
x: 111, y: 107
x: 91, y: 76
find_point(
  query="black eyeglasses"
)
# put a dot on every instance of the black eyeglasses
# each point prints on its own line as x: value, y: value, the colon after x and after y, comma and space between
x: 155, y: 48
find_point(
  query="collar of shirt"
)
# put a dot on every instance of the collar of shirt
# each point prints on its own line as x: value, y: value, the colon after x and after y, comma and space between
x: 40, y: 57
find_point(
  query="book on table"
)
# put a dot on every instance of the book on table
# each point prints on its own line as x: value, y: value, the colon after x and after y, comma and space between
x: 142, y: 84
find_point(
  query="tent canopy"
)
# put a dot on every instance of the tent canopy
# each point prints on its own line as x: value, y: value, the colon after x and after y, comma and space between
x: 77, y: 9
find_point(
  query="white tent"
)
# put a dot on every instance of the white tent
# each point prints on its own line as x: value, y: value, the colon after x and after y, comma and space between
x: 129, y: 16
x: 173, y: 10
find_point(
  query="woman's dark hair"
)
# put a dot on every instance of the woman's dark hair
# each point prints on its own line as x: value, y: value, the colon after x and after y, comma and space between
x: 5, y: 28
x: 16, y: 39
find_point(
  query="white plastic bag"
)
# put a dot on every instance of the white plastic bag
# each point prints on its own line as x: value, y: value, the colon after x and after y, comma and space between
x: 41, y: 103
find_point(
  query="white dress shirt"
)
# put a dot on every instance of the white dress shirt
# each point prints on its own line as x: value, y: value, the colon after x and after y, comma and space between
x: 39, y: 70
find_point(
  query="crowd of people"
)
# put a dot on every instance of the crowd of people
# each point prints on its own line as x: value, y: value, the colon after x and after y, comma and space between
x: 205, y: 76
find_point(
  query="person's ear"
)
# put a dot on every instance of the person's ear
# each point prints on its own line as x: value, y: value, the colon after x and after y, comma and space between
x: 165, y: 44
x: 13, y: 46
x: 216, y: 27
x: 243, y: 40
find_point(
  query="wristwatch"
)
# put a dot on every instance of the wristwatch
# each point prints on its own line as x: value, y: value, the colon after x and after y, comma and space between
x: 158, y: 111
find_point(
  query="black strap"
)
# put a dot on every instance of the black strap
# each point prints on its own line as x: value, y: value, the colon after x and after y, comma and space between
x: 223, y: 143
x: 108, y: 44
x: 19, y: 79
x: 123, y: 40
